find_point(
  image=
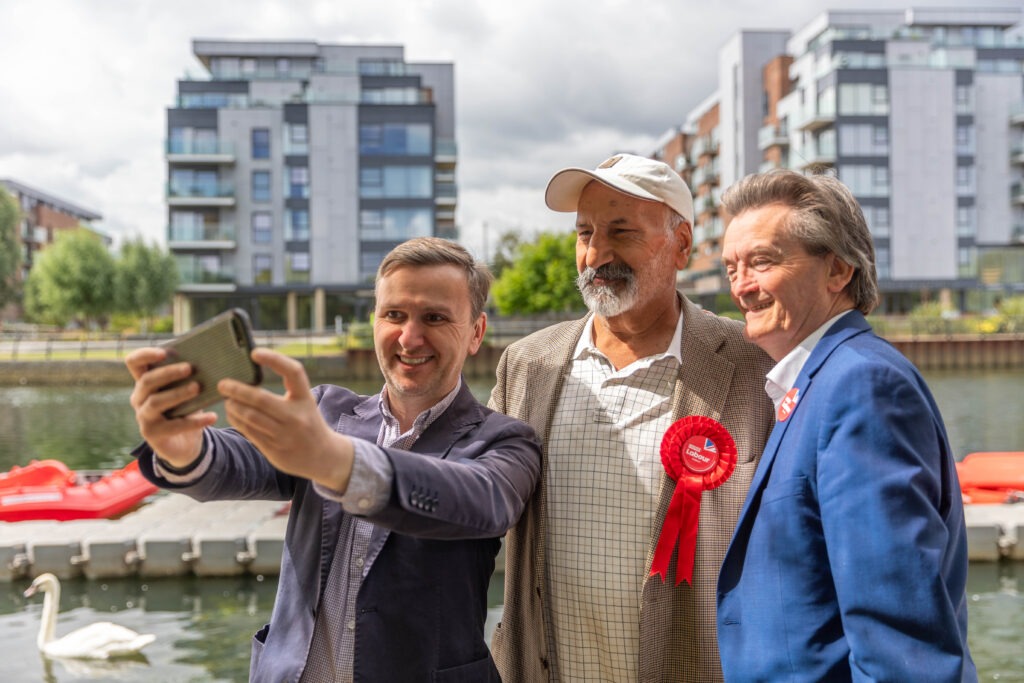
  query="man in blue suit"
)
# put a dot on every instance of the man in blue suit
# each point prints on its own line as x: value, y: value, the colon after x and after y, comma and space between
x: 849, y: 559
x: 398, y: 500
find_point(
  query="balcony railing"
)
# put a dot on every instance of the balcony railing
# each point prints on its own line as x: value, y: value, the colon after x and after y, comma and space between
x: 218, y: 232
x: 200, y: 148
x: 772, y: 135
x: 191, y: 272
x: 1017, y: 154
x: 1017, y: 193
x: 816, y: 118
x: 200, y: 190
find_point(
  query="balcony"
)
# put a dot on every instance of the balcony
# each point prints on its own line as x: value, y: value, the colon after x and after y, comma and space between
x: 704, y: 145
x: 1017, y: 193
x: 200, y: 152
x: 201, y: 194
x: 215, y: 236
x: 445, y: 153
x: 814, y: 155
x: 445, y: 194
x: 196, y: 275
x: 1017, y: 154
x: 816, y: 119
x: 706, y: 174
x: 1017, y: 114
x: 772, y: 136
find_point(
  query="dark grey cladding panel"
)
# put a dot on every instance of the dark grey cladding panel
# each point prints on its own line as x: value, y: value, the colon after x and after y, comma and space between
x: 389, y: 113
x: 296, y: 113
x: 191, y: 118
x: 234, y: 87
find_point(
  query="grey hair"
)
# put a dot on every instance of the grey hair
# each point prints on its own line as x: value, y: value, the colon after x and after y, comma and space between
x: 825, y: 218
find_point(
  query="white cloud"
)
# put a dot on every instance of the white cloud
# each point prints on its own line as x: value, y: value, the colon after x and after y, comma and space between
x: 539, y: 85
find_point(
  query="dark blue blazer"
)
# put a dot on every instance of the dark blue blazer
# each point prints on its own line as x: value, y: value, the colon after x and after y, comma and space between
x: 422, y: 607
x: 849, y: 560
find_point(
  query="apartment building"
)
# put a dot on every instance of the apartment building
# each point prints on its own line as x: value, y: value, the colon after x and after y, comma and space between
x: 43, y: 217
x: 294, y: 167
x: 920, y: 112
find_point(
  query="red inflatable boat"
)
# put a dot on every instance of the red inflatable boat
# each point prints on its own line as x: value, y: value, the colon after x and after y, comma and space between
x: 992, y: 477
x: 47, y: 489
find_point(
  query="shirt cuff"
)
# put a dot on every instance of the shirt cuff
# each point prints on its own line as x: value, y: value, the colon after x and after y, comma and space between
x: 192, y: 472
x: 369, y: 487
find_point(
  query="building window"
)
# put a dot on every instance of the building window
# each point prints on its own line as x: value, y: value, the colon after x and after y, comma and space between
x: 395, y: 224
x: 400, y: 139
x: 260, y: 143
x: 262, y: 227
x: 877, y: 218
x: 964, y: 99
x: 882, y: 263
x: 298, y: 183
x: 965, y: 223
x: 965, y: 180
x: 261, y: 186
x: 298, y: 225
x: 965, y: 139
x: 880, y: 136
x: 284, y: 66
x: 967, y: 261
x: 296, y: 138
x: 865, y: 180
x: 369, y: 261
x: 297, y: 267
x: 396, y: 182
x: 262, y: 269
x: 248, y: 66
x: 863, y: 98
x: 186, y: 182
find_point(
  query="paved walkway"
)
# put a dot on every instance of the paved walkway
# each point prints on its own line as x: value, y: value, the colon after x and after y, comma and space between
x: 174, y: 535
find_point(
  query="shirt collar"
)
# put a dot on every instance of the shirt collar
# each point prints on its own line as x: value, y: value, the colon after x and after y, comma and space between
x: 782, y: 377
x: 586, y: 341
x: 424, y: 419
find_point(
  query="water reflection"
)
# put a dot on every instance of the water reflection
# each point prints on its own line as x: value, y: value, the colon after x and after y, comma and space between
x: 202, y: 626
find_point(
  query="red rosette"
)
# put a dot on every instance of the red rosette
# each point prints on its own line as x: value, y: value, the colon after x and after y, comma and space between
x: 699, y: 454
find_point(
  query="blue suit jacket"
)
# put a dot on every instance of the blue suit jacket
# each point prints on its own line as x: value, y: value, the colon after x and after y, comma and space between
x: 849, y: 560
x: 422, y: 607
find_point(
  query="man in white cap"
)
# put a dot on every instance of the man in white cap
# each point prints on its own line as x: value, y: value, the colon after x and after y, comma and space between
x: 581, y: 603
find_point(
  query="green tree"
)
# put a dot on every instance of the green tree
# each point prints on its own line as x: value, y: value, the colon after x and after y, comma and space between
x: 505, y: 254
x: 72, y: 279
x: 144, y: 279
x: 10, y: 254
x: 542, y: 279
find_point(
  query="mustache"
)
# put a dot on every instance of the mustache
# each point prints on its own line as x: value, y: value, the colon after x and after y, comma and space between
x: 609, y: 271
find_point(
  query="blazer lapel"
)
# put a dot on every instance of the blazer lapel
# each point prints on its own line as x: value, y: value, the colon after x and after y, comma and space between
x: 846, y: 327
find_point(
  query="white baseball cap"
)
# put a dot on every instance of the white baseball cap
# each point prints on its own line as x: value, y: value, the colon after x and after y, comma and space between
x: 635, y: 175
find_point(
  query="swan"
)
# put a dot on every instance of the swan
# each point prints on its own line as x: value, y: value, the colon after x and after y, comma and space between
x: 101, y: 640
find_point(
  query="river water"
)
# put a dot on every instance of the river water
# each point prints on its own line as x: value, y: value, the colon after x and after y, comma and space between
x: 203, y: 626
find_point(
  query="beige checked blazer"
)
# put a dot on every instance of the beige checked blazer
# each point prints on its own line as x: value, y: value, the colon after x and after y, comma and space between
x: 722, y: 377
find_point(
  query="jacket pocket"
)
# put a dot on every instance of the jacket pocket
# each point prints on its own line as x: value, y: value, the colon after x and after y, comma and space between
x: 480, y: 671
x: 258, y: 641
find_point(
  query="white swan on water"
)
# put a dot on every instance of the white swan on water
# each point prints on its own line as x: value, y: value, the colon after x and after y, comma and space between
x: 101, y: 640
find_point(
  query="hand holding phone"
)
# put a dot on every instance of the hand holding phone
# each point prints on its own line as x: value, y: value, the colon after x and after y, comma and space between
x: 217, y: 349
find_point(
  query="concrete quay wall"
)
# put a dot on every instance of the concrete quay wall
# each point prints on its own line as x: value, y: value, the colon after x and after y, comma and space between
x: 927, y: 353
x: 174, y: 535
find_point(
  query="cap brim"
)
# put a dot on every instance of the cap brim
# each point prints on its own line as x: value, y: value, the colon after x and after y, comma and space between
x: 566, y: 186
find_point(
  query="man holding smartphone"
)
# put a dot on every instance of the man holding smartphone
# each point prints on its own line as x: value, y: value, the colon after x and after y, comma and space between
x: 398, y: 500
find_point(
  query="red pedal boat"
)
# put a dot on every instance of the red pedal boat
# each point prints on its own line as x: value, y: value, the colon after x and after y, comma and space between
x: 48, y: 489
x: 992, y: 477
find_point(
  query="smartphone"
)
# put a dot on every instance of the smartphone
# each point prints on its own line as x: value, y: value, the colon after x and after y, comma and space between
x: 217, y: 349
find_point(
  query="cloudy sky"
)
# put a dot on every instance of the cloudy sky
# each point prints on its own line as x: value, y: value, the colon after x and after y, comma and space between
x: 540, y: 84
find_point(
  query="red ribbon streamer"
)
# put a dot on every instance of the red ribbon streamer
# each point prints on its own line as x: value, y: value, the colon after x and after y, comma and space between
x: 696, y: 466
